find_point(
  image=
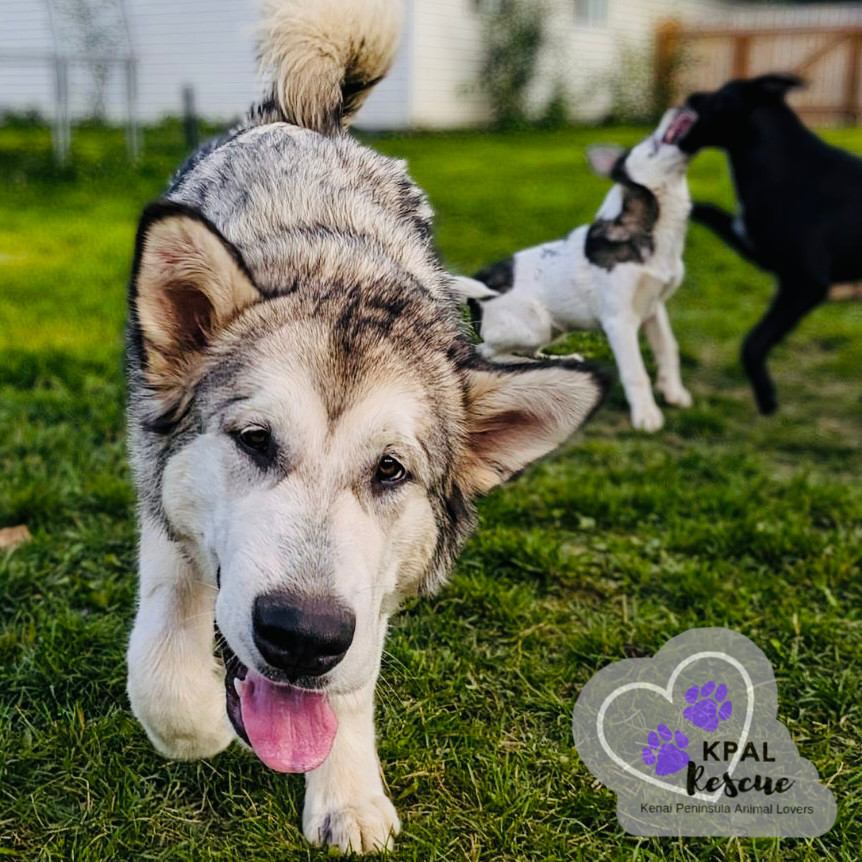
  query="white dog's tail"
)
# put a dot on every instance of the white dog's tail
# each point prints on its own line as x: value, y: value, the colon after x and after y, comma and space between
x: 470, y: 288
x: 324, y: 57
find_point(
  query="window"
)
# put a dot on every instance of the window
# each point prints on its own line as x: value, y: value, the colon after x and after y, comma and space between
x: 591, y: 13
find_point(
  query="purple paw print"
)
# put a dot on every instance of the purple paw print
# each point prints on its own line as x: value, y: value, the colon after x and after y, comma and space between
x: 706, y: 712
x: 670, y: 757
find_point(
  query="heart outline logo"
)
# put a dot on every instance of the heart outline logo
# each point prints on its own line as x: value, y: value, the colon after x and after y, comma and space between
x: 667, y: 694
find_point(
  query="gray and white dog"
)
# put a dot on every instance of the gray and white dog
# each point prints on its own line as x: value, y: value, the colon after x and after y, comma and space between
x: 309, y: 425
x: 617, y: 273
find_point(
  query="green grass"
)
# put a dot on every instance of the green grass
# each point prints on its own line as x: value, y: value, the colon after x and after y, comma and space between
x: 602, y: 552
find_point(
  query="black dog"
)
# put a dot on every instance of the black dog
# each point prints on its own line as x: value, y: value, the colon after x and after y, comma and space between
x: 800, y: 205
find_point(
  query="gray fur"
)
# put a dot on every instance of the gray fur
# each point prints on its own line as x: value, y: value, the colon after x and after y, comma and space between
x: 347, y: 233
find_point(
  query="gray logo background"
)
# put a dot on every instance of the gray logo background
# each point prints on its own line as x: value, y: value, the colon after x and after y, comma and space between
x: 708, y: 693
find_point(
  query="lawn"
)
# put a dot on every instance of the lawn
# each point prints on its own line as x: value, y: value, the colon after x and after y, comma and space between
x: 602, y: 552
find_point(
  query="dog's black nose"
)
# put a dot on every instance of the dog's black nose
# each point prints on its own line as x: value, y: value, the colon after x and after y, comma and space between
x: 301, y: 636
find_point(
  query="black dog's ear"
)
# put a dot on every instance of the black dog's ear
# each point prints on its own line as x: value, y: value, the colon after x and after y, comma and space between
x: 778, y: 84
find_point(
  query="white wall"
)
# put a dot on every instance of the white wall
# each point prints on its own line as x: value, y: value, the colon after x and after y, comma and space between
x: 585, y: 62
x: 24, y: 29
x: 206, y: 43
x: 848, y: 14
x: 388, y: 106
x: 597, y: 66
x: 434, y: 82
x: 448, y: 52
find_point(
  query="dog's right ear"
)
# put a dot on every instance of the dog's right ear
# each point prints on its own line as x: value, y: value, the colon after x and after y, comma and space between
x: 603, y: 158
x: 188, y: 282
x: 778, y: 84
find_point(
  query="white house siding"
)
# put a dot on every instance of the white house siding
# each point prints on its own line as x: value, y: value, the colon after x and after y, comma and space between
x: 441, y: 59
x: 598, y: 66
x: 388, y: 106
x: 747, y: 16
x: 208, y: 44
x: 447, y: 58
x: 25, y: 32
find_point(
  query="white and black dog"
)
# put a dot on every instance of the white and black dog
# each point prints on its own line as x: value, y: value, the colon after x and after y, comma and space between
x: 617, y: 273
x: 309, y: 425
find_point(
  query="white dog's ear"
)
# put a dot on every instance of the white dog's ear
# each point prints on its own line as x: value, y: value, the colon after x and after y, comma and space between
x: 517, y: 413
x: 603, y: 157
x: 187, y: 284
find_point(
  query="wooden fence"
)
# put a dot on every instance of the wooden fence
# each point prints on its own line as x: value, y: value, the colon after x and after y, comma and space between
x: 829, y: 58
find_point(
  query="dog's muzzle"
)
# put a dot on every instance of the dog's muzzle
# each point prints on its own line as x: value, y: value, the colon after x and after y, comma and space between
x: 279, y: 712
x: 681, y: 124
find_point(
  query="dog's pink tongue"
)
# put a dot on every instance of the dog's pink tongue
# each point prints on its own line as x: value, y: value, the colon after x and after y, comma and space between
x: 290, y: 730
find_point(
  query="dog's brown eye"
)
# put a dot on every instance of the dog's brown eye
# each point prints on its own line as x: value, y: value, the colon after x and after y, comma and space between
x: 390, y: 471
x: 255, y: 439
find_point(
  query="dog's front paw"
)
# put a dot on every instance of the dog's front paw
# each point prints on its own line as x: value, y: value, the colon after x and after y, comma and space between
x: 184, y: 715
x: 647, y: 417
x: 677, y: 396
x: 368, y: 826
x: 185, y: 730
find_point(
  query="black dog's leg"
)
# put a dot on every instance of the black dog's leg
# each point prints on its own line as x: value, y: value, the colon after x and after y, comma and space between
x: 721, y: 223
x: 792, y: 302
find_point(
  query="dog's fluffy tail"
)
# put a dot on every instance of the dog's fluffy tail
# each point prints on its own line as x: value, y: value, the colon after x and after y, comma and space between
x: 324, y: 57
x: 470, y: 288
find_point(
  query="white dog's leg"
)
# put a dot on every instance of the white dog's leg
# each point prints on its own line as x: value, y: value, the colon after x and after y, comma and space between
x: 623, y: 337
x: 514, y: 326
x: 175, y: 685
x: 666, y: 351
x: 346, y: 805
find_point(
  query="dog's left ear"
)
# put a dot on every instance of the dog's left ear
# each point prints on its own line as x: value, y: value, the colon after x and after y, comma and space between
x: 778, y: 85
x: 517, y: 413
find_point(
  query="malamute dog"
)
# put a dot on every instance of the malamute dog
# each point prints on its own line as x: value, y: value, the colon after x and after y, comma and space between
x: 617, y: 273
x: 308, y: 425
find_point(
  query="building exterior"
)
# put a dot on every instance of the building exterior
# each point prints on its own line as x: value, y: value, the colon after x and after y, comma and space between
x: 597, y: 57
x: 589, y: 57
x: 206, y: 44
